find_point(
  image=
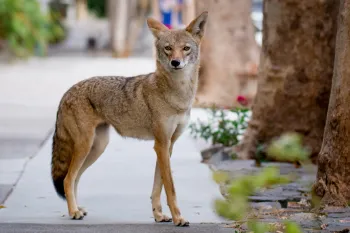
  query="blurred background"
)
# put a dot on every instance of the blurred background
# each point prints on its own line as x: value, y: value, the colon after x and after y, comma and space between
x: 46, y: 46
x: 117, y: 28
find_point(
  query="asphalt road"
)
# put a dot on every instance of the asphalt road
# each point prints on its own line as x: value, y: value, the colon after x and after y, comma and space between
x: 118, y: 228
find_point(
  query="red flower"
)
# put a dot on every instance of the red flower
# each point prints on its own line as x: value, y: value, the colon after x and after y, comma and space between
x: 242, y: 100
x: 168, y: 26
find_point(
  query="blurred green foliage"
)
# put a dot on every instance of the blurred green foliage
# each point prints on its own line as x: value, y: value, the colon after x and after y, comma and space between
x: 236, y: 205
x: 223, y: 127
x: 288, y: 147
x: 26, y: 29
x: 98, y: 7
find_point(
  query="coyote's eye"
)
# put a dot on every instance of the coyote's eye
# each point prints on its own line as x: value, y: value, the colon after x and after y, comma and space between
x: 187, y: 48
x: 167, y: 48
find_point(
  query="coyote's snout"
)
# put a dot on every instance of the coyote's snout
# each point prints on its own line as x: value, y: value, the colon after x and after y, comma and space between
x: 154, y: 106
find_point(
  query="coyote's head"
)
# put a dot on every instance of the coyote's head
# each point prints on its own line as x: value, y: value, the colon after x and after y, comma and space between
x: 177, y: 49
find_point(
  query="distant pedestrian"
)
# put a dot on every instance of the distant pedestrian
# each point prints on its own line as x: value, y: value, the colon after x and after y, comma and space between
x: 171, y: 13
x: 166, y: 11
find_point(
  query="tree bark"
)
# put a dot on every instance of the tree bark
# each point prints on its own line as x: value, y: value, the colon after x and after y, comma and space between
x: 189, y: 11
x: 295, y: 73
x: 126, y: 18
x: 81, y: 9
x: 333, y: 176
x: 229, y: 51
x: 119, y: 12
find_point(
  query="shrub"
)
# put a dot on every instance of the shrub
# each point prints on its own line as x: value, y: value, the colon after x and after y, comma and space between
x: 98, y: 7
x: 236, y: 205
x: 224, y: 127
x: 26, y: 29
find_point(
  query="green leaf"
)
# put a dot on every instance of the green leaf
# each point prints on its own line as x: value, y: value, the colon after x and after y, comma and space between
x: 25, y: 27
x: 292, y: 227
x: 288, y: 147
x: 258, y: 227
x: 220, y: 177
x: 234, y: 211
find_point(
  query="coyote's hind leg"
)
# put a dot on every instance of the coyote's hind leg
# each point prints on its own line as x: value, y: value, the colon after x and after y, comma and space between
x: 99, y: 145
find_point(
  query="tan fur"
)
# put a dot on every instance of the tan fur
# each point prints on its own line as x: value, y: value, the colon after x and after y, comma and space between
x: 155, y: 107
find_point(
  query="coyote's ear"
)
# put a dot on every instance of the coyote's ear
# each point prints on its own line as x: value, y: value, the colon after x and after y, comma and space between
x: 157, y: 28
x: 197, y: 26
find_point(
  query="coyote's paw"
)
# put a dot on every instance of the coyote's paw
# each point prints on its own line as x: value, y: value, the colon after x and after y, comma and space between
x: 163, y: 218
x: 83, y: 211
x: 77, y: 215
x: 181, y: 222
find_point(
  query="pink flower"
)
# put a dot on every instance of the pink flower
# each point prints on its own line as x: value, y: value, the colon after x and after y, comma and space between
x: 242, y: 100
x: 168, y: 26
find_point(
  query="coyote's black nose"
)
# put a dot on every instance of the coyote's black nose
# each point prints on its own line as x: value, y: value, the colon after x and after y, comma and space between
x: 175, y: 63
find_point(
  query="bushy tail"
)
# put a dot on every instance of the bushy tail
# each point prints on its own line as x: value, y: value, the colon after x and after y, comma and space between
x: 61, y: 158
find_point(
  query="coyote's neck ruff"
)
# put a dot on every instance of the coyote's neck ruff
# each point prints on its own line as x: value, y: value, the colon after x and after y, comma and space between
x: 155, y: 107
x: 179, y: 87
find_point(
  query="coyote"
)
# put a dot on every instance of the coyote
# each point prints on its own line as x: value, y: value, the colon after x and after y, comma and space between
x: 154, y: 106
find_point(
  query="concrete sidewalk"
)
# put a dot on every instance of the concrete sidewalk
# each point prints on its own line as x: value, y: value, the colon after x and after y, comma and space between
x: 119, y: 228
x: 117, y: 188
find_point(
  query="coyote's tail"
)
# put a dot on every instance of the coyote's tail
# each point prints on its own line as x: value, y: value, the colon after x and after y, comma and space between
x: 61, y: 158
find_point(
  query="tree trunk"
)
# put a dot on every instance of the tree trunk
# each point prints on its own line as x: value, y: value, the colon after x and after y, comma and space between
x: 119, y: 13
x: 229, y: 51
x: 189, y: 11
x: 295, y: 73
x: 127, y: 18
x: 333, y: 176
x: 81, y: 9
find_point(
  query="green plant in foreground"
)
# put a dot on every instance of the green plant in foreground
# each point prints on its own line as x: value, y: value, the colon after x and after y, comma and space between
x: 288, y: 148
x: 26, y: 29
x: 236, y: 205
x: 224, y: 127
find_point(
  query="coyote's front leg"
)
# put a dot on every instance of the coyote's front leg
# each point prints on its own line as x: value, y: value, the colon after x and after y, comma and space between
x: 158, y: 183
x: 161, y: 147
x: 156, y: 193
